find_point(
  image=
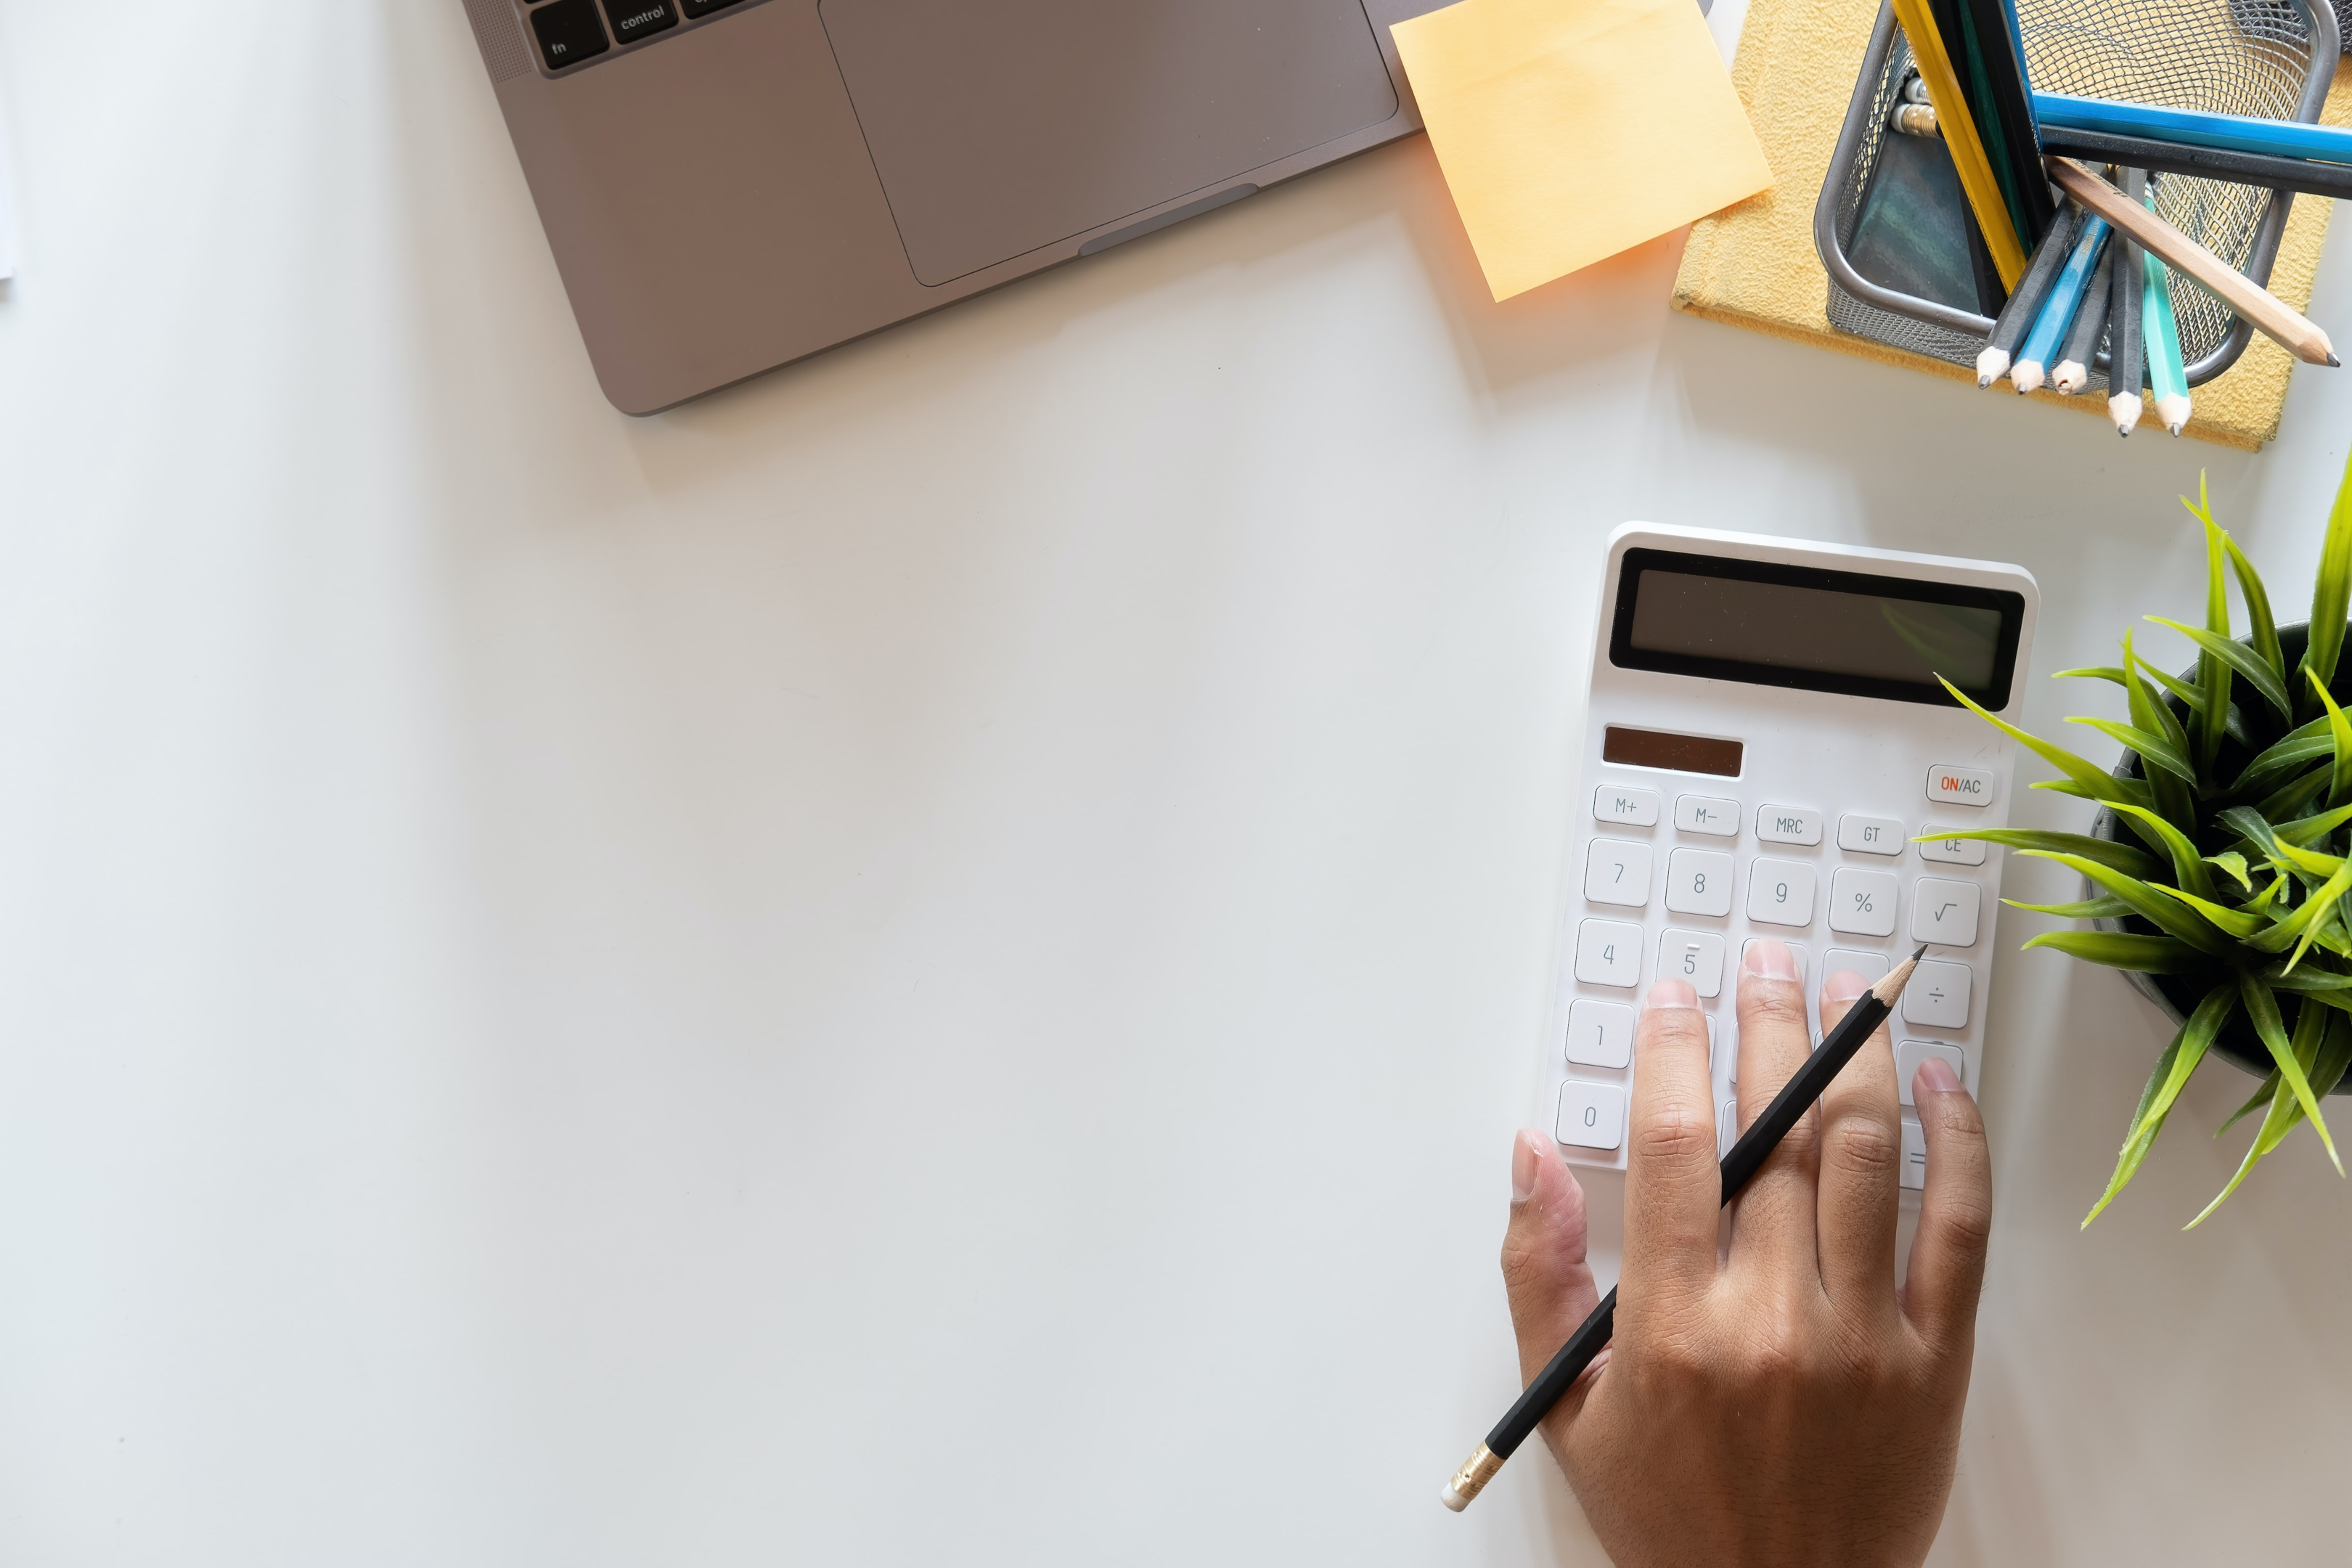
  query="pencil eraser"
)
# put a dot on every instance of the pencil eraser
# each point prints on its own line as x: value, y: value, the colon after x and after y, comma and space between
x: 1452, y: 1499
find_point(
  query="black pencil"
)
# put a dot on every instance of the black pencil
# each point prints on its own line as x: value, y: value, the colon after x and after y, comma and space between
x: 1991, y: 31
x: 2306, y: 175
x: 2125, y: 351
x: 2025, y: 300
x: 2072, y: 373
x: 1748, y: 1155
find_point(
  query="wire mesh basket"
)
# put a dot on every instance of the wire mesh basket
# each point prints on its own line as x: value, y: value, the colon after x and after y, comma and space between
x: 2272, y: 59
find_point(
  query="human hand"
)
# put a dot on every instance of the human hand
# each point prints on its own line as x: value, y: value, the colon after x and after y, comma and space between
x: 1789, y: 1405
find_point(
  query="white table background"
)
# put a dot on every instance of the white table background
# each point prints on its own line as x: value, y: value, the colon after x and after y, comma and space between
x: 932, y: 959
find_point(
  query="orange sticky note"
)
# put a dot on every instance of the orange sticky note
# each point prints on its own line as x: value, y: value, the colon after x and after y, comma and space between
x: 1571, y: 130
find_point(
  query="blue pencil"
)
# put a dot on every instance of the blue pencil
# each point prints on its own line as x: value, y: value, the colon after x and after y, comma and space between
x: 2058, y: 309
x: 2194, y: 127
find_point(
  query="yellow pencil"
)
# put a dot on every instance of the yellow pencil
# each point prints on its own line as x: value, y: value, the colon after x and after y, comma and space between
x: 1960, y: 137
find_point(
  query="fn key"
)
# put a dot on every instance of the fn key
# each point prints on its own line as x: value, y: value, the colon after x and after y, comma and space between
x: 569, y: 32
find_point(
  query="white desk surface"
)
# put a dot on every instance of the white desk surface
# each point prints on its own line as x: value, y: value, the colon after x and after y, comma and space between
x: 932, y: 959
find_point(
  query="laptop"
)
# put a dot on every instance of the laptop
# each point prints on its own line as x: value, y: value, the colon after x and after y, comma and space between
x: 729, y: 185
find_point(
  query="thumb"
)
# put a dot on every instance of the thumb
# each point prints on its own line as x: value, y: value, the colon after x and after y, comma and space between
x: 1550, y: 1284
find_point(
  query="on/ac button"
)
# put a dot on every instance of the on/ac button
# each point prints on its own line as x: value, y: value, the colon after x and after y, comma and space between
x: 1960, y: 786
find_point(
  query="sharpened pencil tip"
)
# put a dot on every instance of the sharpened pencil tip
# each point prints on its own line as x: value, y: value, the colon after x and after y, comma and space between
x: 2335, y: 364
x: 1922, y: 952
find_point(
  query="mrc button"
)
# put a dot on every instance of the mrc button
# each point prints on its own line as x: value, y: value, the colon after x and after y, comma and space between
x: 1960, y: 786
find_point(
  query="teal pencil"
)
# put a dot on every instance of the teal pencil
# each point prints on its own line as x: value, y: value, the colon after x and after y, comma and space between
x: 2163, y: 334
x: 2058, y: 310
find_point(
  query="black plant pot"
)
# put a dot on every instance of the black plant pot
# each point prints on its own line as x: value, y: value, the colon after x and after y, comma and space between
x: 2178, y: 995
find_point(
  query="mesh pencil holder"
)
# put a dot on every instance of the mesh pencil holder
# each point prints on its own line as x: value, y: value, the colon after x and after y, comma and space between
x: 2273, y: 58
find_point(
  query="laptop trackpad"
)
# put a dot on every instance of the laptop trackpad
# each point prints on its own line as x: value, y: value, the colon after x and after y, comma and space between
x: 999, y: 126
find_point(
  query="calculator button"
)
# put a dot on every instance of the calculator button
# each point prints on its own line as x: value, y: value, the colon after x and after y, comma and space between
x: 1871, y: 966
x: 1704, y: 813
x: 1727, y: 1127
x: 1863, y: 902
x: 1945, y: 912
x: 1698, y: 882
x: 1960, y: 786
x: 1695, y: 956
x: 1796, y: 951
x: 1870, y: 835
x: 1617, y: 871
x: 1608, y: 952
x: 1953, y: 851
x: 1914, y: 1155
x: 1781, y: 893
x: 1937, y: 995
x: 1909, y: 1054
x: 1624, y: 804
x: 1592, y: 1115
x: 1788, y: 825
x: 1600, y: 1034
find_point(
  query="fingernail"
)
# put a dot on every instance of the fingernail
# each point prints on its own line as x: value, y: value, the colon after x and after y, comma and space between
x: 1523, y: 1158
x: 1934, y: 1077
x: 1673, y: 993
x: 1845, y: 985
x: 1769, y: 960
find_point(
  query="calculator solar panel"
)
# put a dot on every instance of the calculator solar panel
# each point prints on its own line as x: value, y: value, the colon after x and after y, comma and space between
x: 1766, y: 739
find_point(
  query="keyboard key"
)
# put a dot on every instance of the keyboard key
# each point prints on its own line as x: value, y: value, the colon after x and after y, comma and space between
x: 1626, y: 805
x: 1617, y: 871
x: 1953, y: 851
x: 1945, y: 912
x: 699, y: 8
x: 634, y: 19
x: 1781, y: 893
x: 1788, y: 825
x: 1870, y: 835
x: 1706, y: 813
x: 1592, y: 1115
x: 1600, y: 1034
x: 1871, y: 966
x: 1608, y: 952
x: 569, y: 32
x: 1698, y: 882
x: 1695, y: 956
x: 1796, y: 951
x: 1950, y: 785
x: 1937, y: 995
x: 1863, y: 902
x: 1909, y: 1054
x: 1914, y: 1155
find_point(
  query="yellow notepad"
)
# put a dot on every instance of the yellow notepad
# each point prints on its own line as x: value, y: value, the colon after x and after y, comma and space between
x: 1571, y: 130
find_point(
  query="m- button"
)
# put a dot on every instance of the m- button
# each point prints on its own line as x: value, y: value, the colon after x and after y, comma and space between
x: 1960, y: 786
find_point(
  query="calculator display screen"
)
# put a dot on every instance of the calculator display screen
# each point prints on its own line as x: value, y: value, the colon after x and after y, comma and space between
x: 1849, y: 632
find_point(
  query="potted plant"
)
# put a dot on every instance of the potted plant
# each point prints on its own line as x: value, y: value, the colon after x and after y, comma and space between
x: 2217, y: 869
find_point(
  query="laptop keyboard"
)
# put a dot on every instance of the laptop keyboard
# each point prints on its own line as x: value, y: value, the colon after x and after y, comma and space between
x: 573, y: 32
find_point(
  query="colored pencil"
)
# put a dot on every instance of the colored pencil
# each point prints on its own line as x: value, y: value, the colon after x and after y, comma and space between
x: 1748, y: 1155
x: 2057, y: 313
x: 2073, y: 371
x: 2026, y: 297
x: 2208, y: 162
x: 1960, y: 139
x: 2161, y: 333
x: 2126, y: 352
x: 1992, y: 29
x: 1968, y: 64
x: 2290, y: 328
x: 2194, y: 127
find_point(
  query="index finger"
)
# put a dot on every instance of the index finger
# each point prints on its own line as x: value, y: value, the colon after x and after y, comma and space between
x: 1674, y: 1186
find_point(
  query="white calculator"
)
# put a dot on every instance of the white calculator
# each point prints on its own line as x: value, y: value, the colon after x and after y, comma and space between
x: 1765, y: 738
